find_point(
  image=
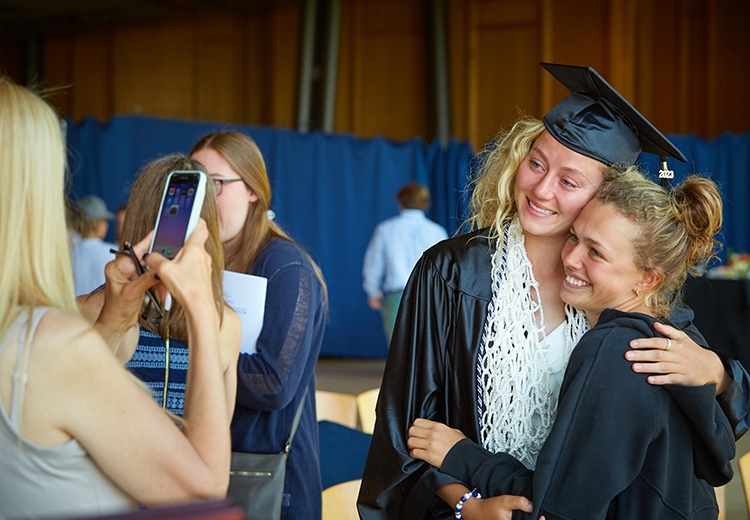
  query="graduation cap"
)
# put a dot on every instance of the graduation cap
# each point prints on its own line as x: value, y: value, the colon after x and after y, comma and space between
x: 596, y: 121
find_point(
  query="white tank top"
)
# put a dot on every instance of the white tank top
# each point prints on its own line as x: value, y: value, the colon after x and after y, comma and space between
x: 40, y: 481
x: 557, y: 359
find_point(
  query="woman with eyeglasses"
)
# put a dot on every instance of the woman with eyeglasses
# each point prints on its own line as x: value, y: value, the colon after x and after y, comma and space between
x: 272, y: 382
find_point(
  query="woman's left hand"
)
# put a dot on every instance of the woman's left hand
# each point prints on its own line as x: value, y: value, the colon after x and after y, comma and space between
x: 431, y: 441
x: 188, y: 276
x: 677, y: 359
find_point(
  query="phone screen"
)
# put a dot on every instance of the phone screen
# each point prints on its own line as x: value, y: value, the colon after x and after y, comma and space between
x: 175, y: 214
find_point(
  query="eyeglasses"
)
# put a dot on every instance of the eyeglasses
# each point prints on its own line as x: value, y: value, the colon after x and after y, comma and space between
x: 219, y: 184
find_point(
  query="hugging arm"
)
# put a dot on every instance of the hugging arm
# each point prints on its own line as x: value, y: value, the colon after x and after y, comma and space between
x: 690, y: 363
x: 735, y: 399
x: 600, y: 406
x: 499, y: 478
x: 677, y: 359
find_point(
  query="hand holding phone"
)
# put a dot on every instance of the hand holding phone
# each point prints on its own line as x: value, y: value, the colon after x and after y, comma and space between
x: 179, y: 211
x: 189, y: 276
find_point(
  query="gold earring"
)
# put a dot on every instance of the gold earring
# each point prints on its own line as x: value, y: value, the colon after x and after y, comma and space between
x: 637, y: 292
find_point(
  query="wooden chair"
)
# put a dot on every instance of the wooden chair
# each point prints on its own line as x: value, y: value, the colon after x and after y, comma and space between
x: 744, y: 463
x: 366, y: 402
x: 722, y: 502
x: 340, y: 501
x: 336, y: 407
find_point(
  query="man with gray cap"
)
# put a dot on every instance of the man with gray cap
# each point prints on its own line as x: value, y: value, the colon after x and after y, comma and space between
x: 91, y: 253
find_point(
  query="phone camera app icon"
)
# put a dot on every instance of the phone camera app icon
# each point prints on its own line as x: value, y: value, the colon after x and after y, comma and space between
x: 173, y: 211
x: 191, y: 191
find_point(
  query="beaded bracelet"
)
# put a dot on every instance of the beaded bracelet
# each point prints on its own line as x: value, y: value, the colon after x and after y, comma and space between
x: 471, y: 494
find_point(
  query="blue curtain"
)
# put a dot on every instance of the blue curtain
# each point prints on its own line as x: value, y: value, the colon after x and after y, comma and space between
x: 330, y: 191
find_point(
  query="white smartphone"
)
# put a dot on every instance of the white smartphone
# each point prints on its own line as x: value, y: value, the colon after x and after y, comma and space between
x: 179, y: 212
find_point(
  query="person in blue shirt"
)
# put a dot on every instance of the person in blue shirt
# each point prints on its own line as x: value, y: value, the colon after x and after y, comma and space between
x: 394, y: 249
x: 272, y: 382
x: 89, y: 252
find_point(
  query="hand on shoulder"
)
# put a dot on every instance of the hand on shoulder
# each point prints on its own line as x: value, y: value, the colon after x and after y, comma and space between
x: 676, y: 359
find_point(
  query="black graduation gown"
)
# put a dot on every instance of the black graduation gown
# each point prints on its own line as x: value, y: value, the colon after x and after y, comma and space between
x: 431, y: 373
x: 619, y: 448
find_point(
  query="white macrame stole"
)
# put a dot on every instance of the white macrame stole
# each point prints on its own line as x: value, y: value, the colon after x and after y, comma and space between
x: 514, y: 375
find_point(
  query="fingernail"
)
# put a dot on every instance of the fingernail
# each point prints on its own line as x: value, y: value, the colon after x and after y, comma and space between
x: 629, y: 355
x: 634, y: 343
x: 637, y: 367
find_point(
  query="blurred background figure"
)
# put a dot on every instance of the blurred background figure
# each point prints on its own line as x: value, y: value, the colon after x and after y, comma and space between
x: 91, y: 253
x: 394, y: 249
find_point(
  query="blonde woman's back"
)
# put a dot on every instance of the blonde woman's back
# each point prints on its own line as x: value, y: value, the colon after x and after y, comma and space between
x: 51, y: 474
x: 74, y: 387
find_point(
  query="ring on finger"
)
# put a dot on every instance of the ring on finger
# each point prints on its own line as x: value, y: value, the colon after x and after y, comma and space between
x: 669, y: 344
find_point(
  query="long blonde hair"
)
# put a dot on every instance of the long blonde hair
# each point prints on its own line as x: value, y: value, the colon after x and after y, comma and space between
x: 34, y: 252
x: 245, y: 158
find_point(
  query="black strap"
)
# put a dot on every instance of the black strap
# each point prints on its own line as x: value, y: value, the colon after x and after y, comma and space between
x: 297, y: 416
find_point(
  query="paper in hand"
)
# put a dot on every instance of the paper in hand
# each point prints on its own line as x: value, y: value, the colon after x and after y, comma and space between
x: 246, y: 294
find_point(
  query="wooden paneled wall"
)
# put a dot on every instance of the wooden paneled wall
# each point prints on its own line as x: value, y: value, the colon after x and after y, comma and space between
x: 208, y: 66
x: 684, y: 63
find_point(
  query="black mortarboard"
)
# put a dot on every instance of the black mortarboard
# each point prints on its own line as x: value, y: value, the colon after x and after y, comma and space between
x: 596, y: 121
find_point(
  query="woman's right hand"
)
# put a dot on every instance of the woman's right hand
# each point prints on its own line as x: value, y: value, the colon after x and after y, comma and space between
x: 431, y: 441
